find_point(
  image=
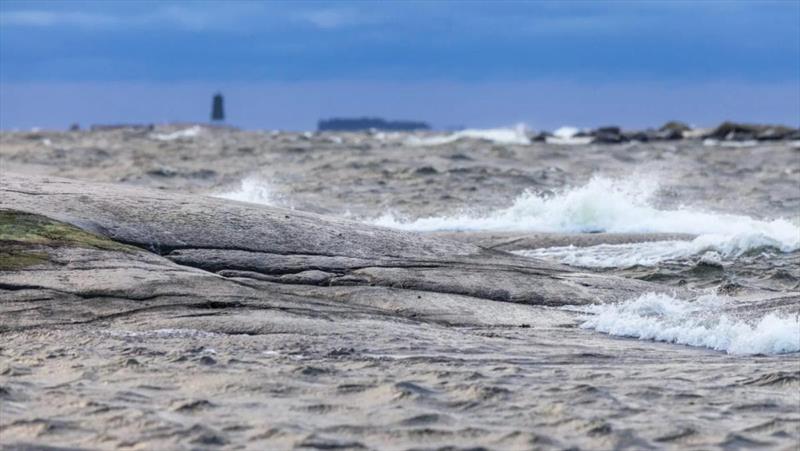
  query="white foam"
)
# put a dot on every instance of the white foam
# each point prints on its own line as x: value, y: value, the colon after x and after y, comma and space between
x: 190, y: 132
x: 517, y: 135
x: 576, y: 141
x: 712, y: 249
x: 701, y: 323
x: 253, y: 190
x: 565, y: 132
x: 710, y: 142
x: 614, y: 206
x: 565, y: 136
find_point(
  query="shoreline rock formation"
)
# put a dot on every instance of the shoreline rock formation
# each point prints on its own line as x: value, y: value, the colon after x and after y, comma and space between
x: 88, y: 241
x: 150, y: 318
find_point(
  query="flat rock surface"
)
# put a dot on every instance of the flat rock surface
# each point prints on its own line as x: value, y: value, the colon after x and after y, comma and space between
x: 219, y: 235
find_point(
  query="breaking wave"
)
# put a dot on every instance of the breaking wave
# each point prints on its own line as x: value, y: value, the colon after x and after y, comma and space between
x: 186, y: 133
x: 712, y: 249
x: 517, y: 135
x: 605, y: 205
x: 253, y: 190
x: 567, y: 136
x: 701, y: 323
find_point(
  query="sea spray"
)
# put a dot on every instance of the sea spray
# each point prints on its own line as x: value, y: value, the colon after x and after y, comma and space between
x: 722, y: 247
x: 617, y: 206
x: 253, y: 190
x: 703, y: 323
x: 517, y: 135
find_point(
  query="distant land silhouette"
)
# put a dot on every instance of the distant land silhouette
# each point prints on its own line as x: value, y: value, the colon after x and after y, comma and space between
x: 366, y: 123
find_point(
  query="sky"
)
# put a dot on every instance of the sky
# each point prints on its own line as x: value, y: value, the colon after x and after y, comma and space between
x: 284, y: 65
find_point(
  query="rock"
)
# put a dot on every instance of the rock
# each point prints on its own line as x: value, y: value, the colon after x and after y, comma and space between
x: 652, y: 135
x: 777, y: 132
x: 541, y: 137
x: 732, y: 131
x: 612, y: 129
x: 671, y: 131
x: 608, y: 135
x: 135, y: 245
x: 641, y: 136
x: 426, y: 170
x: 675, y: 126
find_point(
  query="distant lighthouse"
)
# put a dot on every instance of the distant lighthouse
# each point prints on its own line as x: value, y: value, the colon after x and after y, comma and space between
x: 217, y: 108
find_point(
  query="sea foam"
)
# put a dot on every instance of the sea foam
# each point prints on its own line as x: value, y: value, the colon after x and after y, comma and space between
x: 566, y: 136
x: 711, y: 248
x: 516, y: 135
x: 614, y: 206
x: 190, y: 132
x: 253, y: 190
x: 703, y: 323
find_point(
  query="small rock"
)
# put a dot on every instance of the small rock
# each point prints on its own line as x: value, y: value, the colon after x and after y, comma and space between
x: 207, y: 360
x: 426, y: 170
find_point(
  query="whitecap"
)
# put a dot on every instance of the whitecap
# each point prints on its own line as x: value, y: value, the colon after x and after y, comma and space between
x: 616, y: 206
x: 190, y: 132
x: 702, y: 323
x: 253, y: 190
x: 566, y: 136
x: 517, y: 135
x: 712, y: 249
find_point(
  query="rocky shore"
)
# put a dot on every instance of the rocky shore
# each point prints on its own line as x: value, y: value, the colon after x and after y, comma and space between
x: 674, y: 130
x: 142, y: 306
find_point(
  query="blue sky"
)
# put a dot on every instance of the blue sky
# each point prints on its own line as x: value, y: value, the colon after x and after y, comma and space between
x: 481, y: 64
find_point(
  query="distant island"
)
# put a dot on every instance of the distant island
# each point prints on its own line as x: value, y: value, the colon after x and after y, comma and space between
x: 366, y: 123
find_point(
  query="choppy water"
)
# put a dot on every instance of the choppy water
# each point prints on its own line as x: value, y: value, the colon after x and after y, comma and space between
x: 726, y: 251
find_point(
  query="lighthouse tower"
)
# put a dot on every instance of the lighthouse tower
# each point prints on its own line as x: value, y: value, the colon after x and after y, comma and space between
x: 217, y: 109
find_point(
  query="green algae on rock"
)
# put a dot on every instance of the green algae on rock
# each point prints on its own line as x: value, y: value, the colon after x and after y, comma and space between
x: 21, y: 231
x: 12, y: 259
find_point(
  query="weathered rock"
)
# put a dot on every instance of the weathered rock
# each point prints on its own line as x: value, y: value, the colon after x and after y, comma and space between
x: 190, y: 238
x: 776, y: 132
x: 608, y: 135
x: 640, y: 135
x: 675, y: 126
x: 733, y: 131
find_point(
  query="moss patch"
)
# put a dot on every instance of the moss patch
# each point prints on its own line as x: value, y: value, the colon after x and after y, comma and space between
x: 14, y: 259
x: 20, y: 230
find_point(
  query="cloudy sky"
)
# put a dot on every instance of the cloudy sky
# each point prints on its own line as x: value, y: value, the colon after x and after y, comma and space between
x: 284, y: 65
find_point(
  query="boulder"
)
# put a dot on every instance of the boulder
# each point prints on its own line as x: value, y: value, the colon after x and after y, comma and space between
x: 204, y: 248
x: 734, y: 131
x: 608, y: 135
x: 776, y: 132
x: 675, y: 126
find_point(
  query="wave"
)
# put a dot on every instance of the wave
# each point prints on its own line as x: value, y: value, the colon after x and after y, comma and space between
x: 566, y: 136
x: 253, y: 190
x: 712, y: 249
x: 517, y: 135
x: 703, y: 323
x: 190, y: 132
x: 618, y: 206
